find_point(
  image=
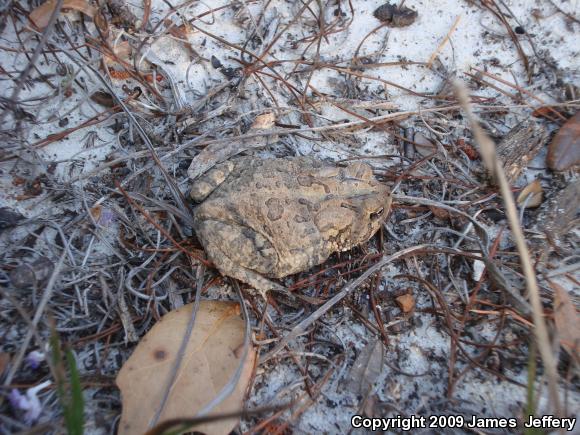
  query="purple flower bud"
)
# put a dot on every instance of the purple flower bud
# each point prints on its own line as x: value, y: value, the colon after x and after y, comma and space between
x: 34, y: 359
x: 30, y: 403
x: 107, y: 217
x: 17, y: 400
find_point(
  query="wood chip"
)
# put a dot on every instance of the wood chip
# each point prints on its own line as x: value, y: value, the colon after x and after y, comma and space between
x: 519, y: 147
x: 560, y: 212
x: 478, y: 269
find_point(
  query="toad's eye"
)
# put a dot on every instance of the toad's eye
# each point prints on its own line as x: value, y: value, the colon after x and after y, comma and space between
x: 377, y: 214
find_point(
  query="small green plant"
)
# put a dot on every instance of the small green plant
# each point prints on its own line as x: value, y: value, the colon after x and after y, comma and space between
x: 68, y: 386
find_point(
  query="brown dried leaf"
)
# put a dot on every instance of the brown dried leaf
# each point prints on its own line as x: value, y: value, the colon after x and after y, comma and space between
x: 532, y: 195
x: 564, y: 151
x: 96, y: 212
x: 395, y: 16
x: 102, y: 24
x: 423, y: 145
x: 548, y: 112
x: 122, y: 52
x: 218, y: 152
x: 406, y: 302
x: 9, y: 218
x: 103, y: 98
x: 41, y: 14
x: 264, y: 121
x: 211, y: 358
x: 366, y: 368
x: 567, y: 321
x: 439, y: 212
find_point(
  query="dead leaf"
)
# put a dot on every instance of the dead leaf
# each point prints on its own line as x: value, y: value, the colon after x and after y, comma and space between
x: 9, y: 218
x: 220, y: 152
x: 549, y: 112
x: 532, y: 195
x: 122, y: 53
x: 406, y: 302
x: 103, y: 98
x: 96, y: 212
x: 469, y: 150
x: 439, y: 212
x: 102, y: 24
x: 423, y: 145
x: 264, y: 121
x: 366, y: 368
x: 564, y: 151
x: 211, y: 358
x: 567, y: 321
x: 41, y: 14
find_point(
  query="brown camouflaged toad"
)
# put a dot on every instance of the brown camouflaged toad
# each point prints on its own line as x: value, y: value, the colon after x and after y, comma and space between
x: 261, y: 219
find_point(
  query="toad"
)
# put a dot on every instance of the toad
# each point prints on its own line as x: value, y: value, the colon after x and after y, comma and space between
x: 269, y: 218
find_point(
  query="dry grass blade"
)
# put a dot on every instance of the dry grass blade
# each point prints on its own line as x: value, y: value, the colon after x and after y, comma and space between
x: 494, y: 166
x: 445, y: 40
